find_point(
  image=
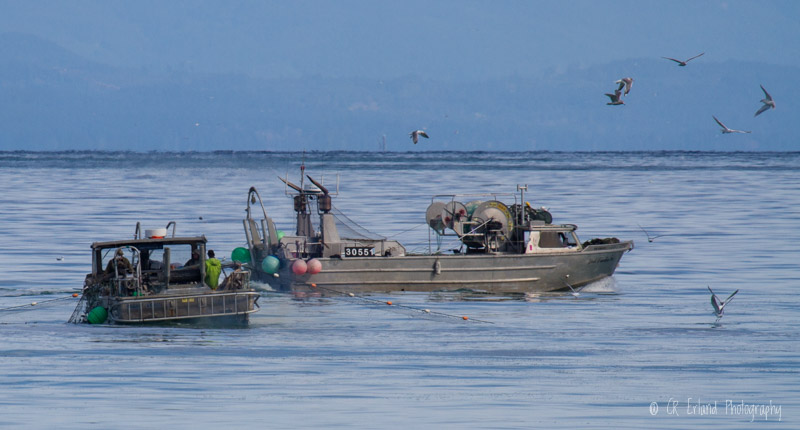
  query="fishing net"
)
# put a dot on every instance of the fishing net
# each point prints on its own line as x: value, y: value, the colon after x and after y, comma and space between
x: 349, y: 229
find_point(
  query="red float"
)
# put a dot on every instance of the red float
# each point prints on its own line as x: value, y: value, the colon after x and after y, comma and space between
x: 314, y: 266
x: 299, y: 267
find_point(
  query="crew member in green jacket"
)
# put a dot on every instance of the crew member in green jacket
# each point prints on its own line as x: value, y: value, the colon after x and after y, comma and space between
x: 213, y: 269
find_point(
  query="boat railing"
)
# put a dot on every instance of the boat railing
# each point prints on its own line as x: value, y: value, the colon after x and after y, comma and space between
x: 492, y: 196
x: 558, y: 228
x: 237, y: 280
x: 137, y: 233
x: 174, y: 225
x: 136, y: 309
x: 129, y: 283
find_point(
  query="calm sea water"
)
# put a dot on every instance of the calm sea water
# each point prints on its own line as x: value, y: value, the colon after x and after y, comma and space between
x: 636, y: 351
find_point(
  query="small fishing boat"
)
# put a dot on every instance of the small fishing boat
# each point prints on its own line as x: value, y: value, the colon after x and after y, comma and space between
x: 501, y: 248
x: 143, y: 280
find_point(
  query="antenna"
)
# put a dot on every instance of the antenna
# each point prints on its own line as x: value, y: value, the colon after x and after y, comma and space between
x: 302, y: 170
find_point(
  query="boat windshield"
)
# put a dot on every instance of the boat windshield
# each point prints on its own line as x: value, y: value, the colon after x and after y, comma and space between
x: 152, y: 255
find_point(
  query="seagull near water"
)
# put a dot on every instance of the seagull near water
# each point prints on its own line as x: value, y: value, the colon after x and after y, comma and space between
x: 416, y: 134
x: 625, y: 82
x: 719, y: 306
x: 767, y: 100
x: 726, y: 130
x: 649, y: 238
x: 615, y: 98
x: 683, y: 63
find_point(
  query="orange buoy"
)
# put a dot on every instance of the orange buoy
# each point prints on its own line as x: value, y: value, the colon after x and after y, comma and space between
x: 465, y: 318
x: 389, y: 303
x: 75, y: 295
x: 313, y: 285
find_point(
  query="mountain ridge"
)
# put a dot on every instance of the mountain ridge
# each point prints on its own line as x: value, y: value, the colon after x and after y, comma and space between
x: 53, y: 99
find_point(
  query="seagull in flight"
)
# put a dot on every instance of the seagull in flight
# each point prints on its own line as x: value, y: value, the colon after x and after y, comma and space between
x: 719, y: 306
x: 615, y: 98
x: 416, y: 134
x: 625, y: 82
x: 726, y: 130
x: 683, y: 63
x: 649, y: 238
x: 768, y: 102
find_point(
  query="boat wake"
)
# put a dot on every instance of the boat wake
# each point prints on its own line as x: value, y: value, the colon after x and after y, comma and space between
x: 605, y: 285
x: 261, y: 286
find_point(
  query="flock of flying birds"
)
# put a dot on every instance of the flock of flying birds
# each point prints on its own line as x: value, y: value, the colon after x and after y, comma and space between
x: 627, y: 83
x: 768, y: 103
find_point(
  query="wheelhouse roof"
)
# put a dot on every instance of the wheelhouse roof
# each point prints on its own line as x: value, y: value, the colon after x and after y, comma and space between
x: 150, y: 242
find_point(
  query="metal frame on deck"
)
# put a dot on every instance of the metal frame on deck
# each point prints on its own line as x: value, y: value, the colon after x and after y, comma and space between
x: 166, y: 304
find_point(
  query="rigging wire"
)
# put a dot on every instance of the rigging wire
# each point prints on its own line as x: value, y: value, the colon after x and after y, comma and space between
x: 406, y: 231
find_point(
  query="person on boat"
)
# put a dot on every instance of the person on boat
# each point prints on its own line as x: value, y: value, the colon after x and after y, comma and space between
x: 194, y: 260
x: 213, y: 269
x: 123, y: 266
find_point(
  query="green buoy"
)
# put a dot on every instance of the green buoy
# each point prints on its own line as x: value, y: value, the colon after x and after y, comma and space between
x: 98, y: 315
x: 270, y: 265
x: 242, y: 255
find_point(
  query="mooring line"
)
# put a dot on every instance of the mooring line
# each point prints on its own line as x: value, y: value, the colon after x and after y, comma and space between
x: 390, y: 303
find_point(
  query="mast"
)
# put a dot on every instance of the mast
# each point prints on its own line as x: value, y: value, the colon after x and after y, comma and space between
x: 304, y: 227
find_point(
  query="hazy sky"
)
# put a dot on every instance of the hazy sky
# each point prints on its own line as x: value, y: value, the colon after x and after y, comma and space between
x: 550, y: 64
x: 444, y: 40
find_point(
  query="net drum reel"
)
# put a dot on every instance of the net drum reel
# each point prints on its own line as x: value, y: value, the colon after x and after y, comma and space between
x: 490, y: 225
x: 454, y: 216
x: 471, y: 206
x: 433, y: 217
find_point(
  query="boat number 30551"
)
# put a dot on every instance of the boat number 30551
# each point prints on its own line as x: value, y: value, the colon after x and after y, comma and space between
x: 359, y: 251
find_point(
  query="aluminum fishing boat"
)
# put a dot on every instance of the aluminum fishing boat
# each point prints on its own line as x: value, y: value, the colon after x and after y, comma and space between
x: 502, y: 248
x: 145, y: 280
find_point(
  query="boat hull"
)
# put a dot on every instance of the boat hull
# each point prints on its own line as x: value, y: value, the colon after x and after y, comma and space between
x: 489, y: 273
x: 232, y: 306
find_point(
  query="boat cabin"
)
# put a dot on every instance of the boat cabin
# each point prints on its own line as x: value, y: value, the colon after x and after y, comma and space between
x: 154, y: 264
x: 157, y: 278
